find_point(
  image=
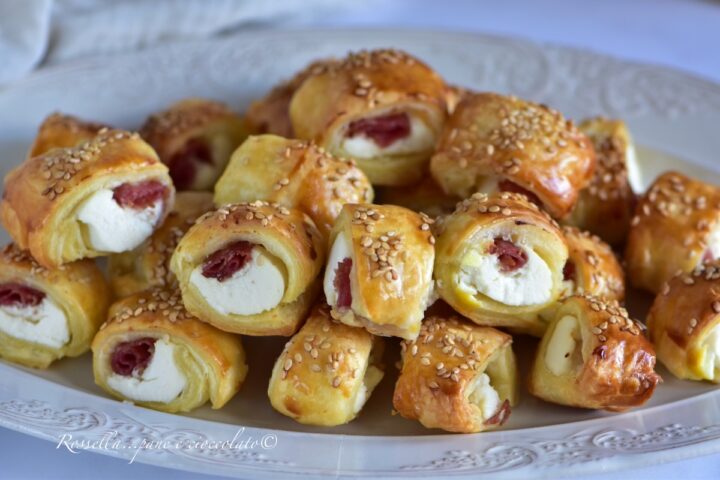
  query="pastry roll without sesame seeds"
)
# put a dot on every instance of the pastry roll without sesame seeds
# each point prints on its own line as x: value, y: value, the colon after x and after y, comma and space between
x: 154, y: 353
x: 676, y: 227
x: 293, y: 173
x: 47, y: 314
x: 327, y: 371
x: 62, y: 131
x: 383, y: 108
x: 195, y: 138
x: 594, y: 356
x: 501, y: 143
x: 106, y: 196
x: 499, y: 261
x: 250, y: 268
x: 149, y: 264
x: 379, y: 271
x: 457, y: 376
x: 684, y: 324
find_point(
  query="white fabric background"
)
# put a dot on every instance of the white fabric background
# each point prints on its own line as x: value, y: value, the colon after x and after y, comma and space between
x: 683, y: 34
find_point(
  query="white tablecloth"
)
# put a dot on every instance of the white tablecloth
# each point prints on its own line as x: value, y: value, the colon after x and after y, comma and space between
x: 680, y: 33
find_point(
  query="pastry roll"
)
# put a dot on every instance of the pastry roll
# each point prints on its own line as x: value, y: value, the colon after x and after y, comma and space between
x: 457, y: 376
x: 195, y: 138
x: 383, y: 108
x: 684, y: 324
x: 500, y: 260
x: 326, y: 372
x: 500, y: 143
x: 106, y: 196
x: 62, y: 131
x: 379, y: 271
x: 154, y: 353
x: 293, y: 173
x: 250, y: 268
x: 149, y: 264
x: 676, y: 227
x: 606, y: 206
x: 47, y: 314
x: 425, y: 196
x: 594, y: 356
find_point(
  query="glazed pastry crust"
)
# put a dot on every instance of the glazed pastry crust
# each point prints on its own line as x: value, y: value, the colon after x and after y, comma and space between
x: 617, y: 367
x: 683, y: 315
x: 62, y: 131
x: 389, y: 296
x: 56, y: 184
x: 149, y: 264
x: 293, y: 173
x: 78, y: 288
x: 287, y: 234
x: 425, y: 196
x: 440, y: 368
x: 670, y: 230
x: 214, y: 363
x: 490, y: 136
x: 323, y: 370
x: 370, y: 82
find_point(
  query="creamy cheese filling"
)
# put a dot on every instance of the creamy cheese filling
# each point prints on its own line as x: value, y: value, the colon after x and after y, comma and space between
x: 257, y: 287
x: 711, y: 360
x: 484, y: 396
x: 45, y: 323
x: 633, y: 169
x: 420, y: 139
x: 341, y: 249
x: 561, y: 351
x: 116, y: 229
x: 161, y: 381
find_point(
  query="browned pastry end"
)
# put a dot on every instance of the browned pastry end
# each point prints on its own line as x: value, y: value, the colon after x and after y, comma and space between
x: 62, y: 131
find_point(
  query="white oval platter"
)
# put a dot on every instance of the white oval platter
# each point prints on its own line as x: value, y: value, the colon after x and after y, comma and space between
x: 673, y: 116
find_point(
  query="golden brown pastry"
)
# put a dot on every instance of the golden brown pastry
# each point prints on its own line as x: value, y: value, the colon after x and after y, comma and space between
x: 326, y: 372
x: 47, y: 314
x: 154, y: 353
x: 149, y: 264
x: 684, y: 324
x: 457, y: 376
x: 379, y: 271
x: 676, y: 227
x: 500, y: 143
x: 293, y: 173
x: 383, y: 108
x: 454, y: 94
x: 62, y: 131
x: 594, y: 356
x: 106, y: 196
x: 606, y: 206
x: 425, y: 196
x: 499, y: 261
x: 195, y: 138
x: 250, y: 268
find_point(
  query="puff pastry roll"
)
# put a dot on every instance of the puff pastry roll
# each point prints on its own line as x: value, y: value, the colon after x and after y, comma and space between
x: 149, y: 264
x: 379, y: 271
x: 383, y: 108
x: 676, y: 227
x: 457, y: 376
x: 62, y: 131
x: 293, y: 173
x: 500, y: 260
x: 47, y: 314
x: 594, y: 356
x: 195, y: 138
x: 154, y: 353
x: 106, y: 196
x: 684, y: 324
x: 606, y: 206
x: 250, y: 268
x: 326, y: 372
x: 425, y: 196
x: 500, y: 143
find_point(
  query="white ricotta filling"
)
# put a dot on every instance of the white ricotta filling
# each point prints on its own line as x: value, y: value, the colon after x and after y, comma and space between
x: 711, y: 361
x: 115, y: 229
x: 257, y: 287
x: 419, y: 139
x: 530, y: 284
x: 341, y: 249
x: 45, y: 323
x: 485, y: 396
x: 633, y: 169
x: 161, y: 381
x: 559, y: 353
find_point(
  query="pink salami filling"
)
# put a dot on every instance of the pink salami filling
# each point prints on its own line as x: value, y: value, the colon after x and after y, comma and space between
x: 139, y: 195
x: 18, y: 295
x: 512, y: 187
x: 222, y: 264
x: 569, y: 271
x: 133, y: 356
x: 183, y: 165
x: 511, y: 256
x: 384, y: 130
x: 342, y: 283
